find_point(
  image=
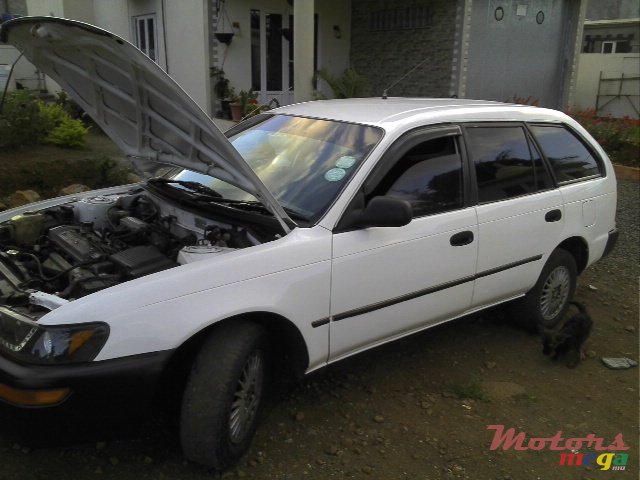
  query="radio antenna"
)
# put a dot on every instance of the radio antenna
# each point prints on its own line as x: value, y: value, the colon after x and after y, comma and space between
x: 384, y: 92
x: 6, y: 85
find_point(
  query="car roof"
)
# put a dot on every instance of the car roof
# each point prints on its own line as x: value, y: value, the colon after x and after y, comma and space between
x: 395, y: 111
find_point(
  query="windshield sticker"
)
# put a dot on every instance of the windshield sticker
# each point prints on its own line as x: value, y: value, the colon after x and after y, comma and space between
x: 335, y: 174
x: 346, y: 162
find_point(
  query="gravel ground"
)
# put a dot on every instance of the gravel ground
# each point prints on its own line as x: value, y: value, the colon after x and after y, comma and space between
x: 625, y: 258
x: 419, y: 408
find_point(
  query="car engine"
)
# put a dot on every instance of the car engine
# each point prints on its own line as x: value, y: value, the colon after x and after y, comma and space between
x: 75, y: 249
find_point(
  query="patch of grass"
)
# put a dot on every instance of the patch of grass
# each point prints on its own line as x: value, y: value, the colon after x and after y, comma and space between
x: 102, y: 171
x: 472, y: 390
x: 526, y: 398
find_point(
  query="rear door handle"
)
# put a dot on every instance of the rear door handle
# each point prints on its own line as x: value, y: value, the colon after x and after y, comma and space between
x: 461, y: 238
x: 553, y: 215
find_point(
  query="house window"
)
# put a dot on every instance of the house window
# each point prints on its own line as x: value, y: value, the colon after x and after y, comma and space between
x: 608, y: 47
x: 145, y: 35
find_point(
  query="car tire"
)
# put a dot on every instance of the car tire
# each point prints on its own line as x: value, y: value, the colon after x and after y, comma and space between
x: 546, y: 303
x: 225, y: 394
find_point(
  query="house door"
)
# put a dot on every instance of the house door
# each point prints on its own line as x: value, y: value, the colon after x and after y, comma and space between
x: 271, y: 69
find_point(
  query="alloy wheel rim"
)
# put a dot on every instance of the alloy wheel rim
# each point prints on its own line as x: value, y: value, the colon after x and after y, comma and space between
x: 246, y: 398
x: 555, y: 292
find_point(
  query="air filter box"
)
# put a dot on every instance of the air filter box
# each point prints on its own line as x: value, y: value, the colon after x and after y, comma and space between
x: 141, y: 260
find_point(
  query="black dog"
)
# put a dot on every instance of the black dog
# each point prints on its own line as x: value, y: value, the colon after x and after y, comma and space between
x: 567, y: 342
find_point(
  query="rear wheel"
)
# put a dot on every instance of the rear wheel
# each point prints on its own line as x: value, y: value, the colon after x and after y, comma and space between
x: 547, y: 302
x: 225, y: 394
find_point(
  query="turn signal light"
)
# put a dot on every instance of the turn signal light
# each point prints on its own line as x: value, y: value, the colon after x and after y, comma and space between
x: 33, y: 398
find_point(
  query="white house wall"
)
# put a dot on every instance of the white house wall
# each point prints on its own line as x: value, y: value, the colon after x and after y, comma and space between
x: 187, y: 43
x: 113, y: 15
x: 612, y: 66
x: 79, y: 10
x: 333, y: 53
x: 181, y: 41
x: 37, y: 8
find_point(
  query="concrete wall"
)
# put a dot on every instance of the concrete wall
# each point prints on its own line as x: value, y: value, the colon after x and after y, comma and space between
x: 612, y: 66
x: 522, y: 49
x: 384, y: 46
x: 14, y: 7
x: 612, y: 9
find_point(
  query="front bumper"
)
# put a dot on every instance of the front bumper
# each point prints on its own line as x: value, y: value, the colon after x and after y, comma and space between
x: 98, y: 394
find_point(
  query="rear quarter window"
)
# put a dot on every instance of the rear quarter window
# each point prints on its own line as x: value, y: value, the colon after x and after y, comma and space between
x: 568, y: 156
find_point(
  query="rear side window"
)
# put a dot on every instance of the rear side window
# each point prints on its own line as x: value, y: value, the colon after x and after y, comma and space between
x: 506, y: 164
x: 568, y: 156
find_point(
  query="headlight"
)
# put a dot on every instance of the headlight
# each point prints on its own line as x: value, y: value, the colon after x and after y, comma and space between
x: 30, y: 342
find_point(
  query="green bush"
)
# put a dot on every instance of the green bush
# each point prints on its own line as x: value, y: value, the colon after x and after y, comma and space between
x: 348, y: 85
x: 20, y: 121
x: 52, y: 115
x: 24, y: 120
x: 69, y: 133
x: 620, y: 137
x: 71, y: 106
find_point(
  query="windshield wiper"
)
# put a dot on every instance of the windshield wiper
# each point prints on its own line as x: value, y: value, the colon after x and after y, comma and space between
x: 259, y: 207
x: 193, y: 186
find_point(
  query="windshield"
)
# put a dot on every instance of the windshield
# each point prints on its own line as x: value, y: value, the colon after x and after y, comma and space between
x: 304, y: 162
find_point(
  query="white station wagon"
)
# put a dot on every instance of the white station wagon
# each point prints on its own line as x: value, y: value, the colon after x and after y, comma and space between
x: 300, y: 237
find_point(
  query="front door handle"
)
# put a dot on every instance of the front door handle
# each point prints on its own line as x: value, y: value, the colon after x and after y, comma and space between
x: 553, y: 215
x: 461, y: 238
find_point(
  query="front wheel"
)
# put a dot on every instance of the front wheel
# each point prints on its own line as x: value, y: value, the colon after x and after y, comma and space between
x: 225, y: 394
x: 547, y: 302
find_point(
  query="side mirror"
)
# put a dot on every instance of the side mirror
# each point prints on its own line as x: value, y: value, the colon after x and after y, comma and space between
x: 382, y: 212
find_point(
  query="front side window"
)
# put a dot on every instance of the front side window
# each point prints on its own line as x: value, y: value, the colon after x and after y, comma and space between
x: 504, y: 164
x: 305, y: 163
x: 429, y: 177
x: 568, y: 156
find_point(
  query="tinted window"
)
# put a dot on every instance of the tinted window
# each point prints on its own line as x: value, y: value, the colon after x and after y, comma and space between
x: 429, y: 176
x: 503, y: 162
x: 569, y: 158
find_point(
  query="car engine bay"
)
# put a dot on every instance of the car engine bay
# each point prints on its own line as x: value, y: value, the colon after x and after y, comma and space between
x: 58, y: 254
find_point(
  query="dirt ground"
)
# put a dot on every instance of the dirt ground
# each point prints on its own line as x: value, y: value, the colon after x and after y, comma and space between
x: 419, y: 408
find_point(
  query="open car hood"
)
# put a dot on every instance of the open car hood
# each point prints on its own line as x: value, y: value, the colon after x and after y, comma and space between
x: 133, y: 100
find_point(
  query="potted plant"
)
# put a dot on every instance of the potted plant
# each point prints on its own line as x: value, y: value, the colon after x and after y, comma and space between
x: 244, y: 104
x: 223, y: 91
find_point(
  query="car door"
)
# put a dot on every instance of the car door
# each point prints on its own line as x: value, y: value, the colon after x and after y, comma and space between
x: 390, y: 281
x: 520, y: 213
